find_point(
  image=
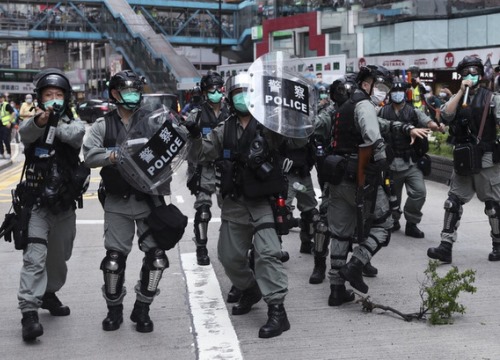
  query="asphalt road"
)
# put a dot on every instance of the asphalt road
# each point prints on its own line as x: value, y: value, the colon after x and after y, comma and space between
x: 192, y: 320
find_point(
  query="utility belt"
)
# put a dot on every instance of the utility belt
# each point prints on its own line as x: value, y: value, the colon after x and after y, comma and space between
x: 236, y: 180
x: 406, y: 155
x: 113, y: 183
x: 338, y: 168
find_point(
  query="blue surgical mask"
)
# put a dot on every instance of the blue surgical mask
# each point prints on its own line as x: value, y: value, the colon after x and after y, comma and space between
x: 240, y: 103
x: 323, y: 96
x: 474, y: 78
x: 215, y: 97
x: 397, y: 97
x: 57, y: 102
x: 131, y: 100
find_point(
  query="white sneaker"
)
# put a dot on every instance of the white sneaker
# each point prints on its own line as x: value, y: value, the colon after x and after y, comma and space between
x: 2, y: 156
x: 7, y: 156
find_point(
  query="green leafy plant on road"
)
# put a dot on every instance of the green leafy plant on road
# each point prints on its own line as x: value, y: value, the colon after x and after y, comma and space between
x: 439, y: 296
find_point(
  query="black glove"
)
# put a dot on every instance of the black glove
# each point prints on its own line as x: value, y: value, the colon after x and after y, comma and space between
x: 193, y: 128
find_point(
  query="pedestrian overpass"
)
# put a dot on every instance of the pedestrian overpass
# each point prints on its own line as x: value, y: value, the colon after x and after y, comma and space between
x: 143, y: 32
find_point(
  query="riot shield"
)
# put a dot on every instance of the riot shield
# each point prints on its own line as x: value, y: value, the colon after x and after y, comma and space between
x: 280, y: 97
x: 152, y: 149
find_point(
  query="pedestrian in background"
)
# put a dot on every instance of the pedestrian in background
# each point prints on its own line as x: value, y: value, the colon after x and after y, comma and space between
x: 8, y: 117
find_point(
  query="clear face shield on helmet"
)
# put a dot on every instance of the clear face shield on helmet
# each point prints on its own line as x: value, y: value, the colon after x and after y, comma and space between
x: 130, y: 92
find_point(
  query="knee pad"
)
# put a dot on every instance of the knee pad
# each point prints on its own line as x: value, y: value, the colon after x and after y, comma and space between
x: 492, y: 209
x: 113, y: 268
x: 154, y: 263
x: 201, y: 220
x: 378, y: 244
x: 453, y: 213
x: 321, y: 237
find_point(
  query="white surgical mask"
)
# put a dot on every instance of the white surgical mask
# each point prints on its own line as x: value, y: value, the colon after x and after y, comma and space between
x: 378, y: 96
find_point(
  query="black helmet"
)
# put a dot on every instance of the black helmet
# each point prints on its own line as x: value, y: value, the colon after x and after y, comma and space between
x: 377, y: 72
x: 342, y: 88
x: 322, y: 90
x: 471, y: 61
x: 398, y: 85
x: 211, y: 79
x: 52, y: 77
x: 125, y: 80
x: 196, y: 95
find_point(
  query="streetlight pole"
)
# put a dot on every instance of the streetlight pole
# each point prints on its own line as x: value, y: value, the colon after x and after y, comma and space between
x: 220, y: 32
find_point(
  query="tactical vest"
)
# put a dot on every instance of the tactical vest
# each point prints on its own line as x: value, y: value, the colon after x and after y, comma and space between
x: 50, y: 181
x: 114, y: 183
x: 472, y: 116
x: 208, y: 120
x: 399, y: 143
x: 237, y: 175
x: 417, y: 99
x: 346, y: 137
x: 4, y: 114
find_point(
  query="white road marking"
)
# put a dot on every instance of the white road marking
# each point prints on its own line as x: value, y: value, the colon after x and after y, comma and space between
x: 214, y: 331
x: 97, y: 222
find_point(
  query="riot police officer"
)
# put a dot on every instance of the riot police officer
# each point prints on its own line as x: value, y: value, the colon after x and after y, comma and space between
x: 202, y: 178
x: 125, y: 208
x: 251, y: 181
x: 356, y: 123
x: 403, y: 168
x: 52, y: 140
x: 472, y: 114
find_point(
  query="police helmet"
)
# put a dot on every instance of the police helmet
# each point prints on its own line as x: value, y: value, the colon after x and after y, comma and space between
x: 239, y: 81
x: 210, y: 80
x: 126, y: 79
x: 52, y: 77
x: 342, y: 88
x: 196, y: 94
x: 379, y: 73
x: 398, y: 85
x: 469, y: 61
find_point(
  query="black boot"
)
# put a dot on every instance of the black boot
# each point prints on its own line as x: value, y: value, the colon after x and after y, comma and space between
x: 53, y: 304
x: 202, y: 255
x: 318, y: 274
x: 234, y: 295
x: 495, y: 254
x: 114, y: 318
x: 306, y: 247
x: 285, y: 256
x: 353, y: 272
x: 369, y: 270
x: 140, y: 315
x: 442, y: 252
x: 277, y: 322
x: 339, y: 295
x: 413, y: 231
x: 395, y: 226
x: 248, y: 298
x: 31, y: 326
